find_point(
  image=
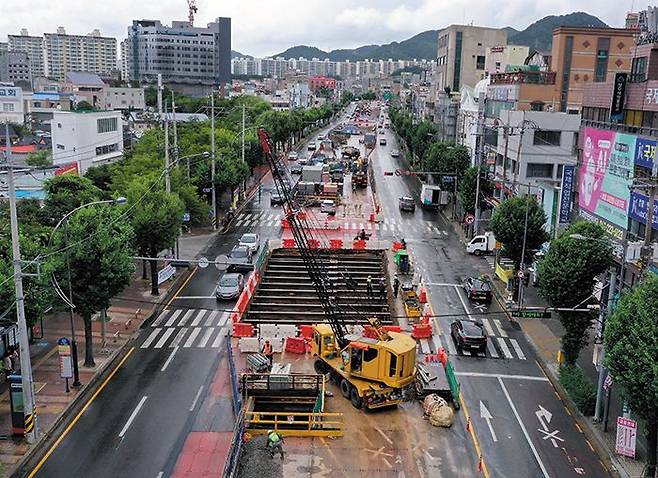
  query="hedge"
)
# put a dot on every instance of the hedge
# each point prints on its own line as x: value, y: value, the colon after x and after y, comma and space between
x: 580, y: 389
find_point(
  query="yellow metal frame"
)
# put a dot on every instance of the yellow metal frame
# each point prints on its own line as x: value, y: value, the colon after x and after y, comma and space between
x: 318, y: 424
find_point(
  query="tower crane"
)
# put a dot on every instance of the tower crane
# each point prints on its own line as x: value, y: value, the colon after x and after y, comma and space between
x: 191, y: 10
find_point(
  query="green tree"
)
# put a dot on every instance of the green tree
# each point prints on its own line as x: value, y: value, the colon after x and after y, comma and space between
x: 100, y: 254
x: 100, y: 176
x: 631, y: 344
x: 66, y: 192
x: 156, y: 222
x: 84, y: 106
x: 508, y: 224
x: 566, y: 279
x: 369, y: 96
x: 467, y: 188
x: 39, y: 159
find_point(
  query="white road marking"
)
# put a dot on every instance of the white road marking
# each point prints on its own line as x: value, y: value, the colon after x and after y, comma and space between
x: 164, y: 338
x: 190, y: 340
x: 451, y: 345
x: 461, y: 299
x: 219, y: 338
x: 173, y: 317
x: 436, y: 341
x: 525, y: 432
x: 223, y: 319
x: 151, y: 337
x: 196, y: 398
x: 379, y: 430
x: 160, y: 475
x: 211, y: 318
x: 504, y: 347
x: 206, y: 337
x: 517, y: 349
x: 487, y: 326
x: 194, y: 297
x: 132, y: 416
x: 492, y: 350
x: 499, y: 326
x: 486, y: 415
x: 425, y: 346
x: 442, y: 284
x: 198, y: 318
x: 169, y: 359
x: 179, y: 336
x: 502, y: 375
x: 160, y: 318
x: 185, y: 318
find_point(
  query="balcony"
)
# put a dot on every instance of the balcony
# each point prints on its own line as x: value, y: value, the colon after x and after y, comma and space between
x: 524, y: 77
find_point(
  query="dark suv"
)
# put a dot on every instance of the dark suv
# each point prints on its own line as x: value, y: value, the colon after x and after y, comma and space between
x: 478, y: 289
x: 468, y: 334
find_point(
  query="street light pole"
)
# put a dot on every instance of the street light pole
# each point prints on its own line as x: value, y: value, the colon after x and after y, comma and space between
x: 212, y: 163
x: 23, y: 343
x: 599, y: 389
x: 74, y: 343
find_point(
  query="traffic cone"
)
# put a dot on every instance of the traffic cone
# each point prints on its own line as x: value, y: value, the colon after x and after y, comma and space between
x: 480, y: 463
x: 422, y: 295
x: 468, y: 424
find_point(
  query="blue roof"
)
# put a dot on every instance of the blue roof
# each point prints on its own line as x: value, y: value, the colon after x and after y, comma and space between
x: 49, y: 95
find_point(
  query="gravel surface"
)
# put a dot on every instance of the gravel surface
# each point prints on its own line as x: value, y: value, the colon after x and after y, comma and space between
x: 255, y: 460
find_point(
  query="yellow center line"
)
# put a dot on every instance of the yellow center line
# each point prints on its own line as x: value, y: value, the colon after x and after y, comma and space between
x: 471, y: 429
x: 79, y: 415
x: 189, y: 278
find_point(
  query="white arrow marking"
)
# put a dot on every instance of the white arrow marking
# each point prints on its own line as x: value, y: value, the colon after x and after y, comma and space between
x: 486, y: 415
x: 543, y: 413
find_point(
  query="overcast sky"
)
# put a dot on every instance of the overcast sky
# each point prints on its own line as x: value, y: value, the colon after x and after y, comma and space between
x: 264, y: 28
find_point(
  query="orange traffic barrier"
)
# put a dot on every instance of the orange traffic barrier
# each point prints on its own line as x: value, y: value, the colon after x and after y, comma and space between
x: 443, y: 356
x: 296, y: 345
x: 422, y: 295
x: 421, y: 331
x: 336, y: 243
x: 289, y: 243
x: 242, y: 329
x: 372, y: 217
x: 359, y: 244
x: 306, y: 331
x: 313, y: 243
x: 397, y: 246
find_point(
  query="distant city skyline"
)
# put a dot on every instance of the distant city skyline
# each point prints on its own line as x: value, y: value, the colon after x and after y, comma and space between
x: 266, y: 28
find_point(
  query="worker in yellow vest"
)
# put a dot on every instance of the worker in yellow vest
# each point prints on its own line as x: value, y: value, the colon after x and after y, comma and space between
x: 274, y: 443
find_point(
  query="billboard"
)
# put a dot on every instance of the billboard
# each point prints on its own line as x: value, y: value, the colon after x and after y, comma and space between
x: 645, y: 152
x: 639, y: 208
x: 618, y: 98
x: 567, y: 192
x: 606, y: 172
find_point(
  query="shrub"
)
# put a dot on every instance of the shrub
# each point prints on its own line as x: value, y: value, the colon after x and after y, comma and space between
x: 580, y: 389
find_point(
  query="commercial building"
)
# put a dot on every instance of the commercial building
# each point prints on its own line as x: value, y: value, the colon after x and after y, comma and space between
x: 86, y: 87
x: 41, y: 106
x: 4, y: 46
x: 15, y: 68
x: 86, y: 139
x: 11, y: 105
x: 299, y: 95
x: 190, y: 59
x: 499, y: 57
x: 92, y: 53
x: 319, y: 82
x: 33, y: 46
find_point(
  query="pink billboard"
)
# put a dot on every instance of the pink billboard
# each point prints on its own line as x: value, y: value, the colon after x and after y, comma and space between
x: 606, y: 172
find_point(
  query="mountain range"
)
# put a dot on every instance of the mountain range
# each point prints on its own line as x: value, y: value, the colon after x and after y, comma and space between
x: 537, y: 36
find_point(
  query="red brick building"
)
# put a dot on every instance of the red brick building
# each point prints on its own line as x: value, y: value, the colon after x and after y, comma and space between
x: 318, y: 82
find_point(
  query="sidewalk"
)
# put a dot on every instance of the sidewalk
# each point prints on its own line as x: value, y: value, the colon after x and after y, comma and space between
x: 544, y: 335
x: 125, y: 316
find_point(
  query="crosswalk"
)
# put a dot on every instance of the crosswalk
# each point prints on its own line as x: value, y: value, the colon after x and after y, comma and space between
x: 499, y: 344
x: 394, y: 226
x: 187, y: 329
x: 491, y: 260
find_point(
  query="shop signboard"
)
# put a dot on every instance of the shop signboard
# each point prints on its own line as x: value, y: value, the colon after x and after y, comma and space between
x: 645, y: 152
x: 606, y: 174
x: 567, y: 193
x: 639, y: 208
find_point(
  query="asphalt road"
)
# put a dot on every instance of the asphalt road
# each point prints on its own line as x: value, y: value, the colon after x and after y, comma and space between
x: 522, y: 427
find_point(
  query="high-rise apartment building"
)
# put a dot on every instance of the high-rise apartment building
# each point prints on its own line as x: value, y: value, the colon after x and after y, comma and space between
x: 15, y: 68
x: 33, y: 46
x: 190, y: 59
x: 91, y: 53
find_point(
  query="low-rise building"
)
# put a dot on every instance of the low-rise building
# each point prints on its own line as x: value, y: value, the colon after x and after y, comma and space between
x: 299, y: 95
x: 500, y: 56
x: 123, y: 98
x: 40, y: 106
x: 88, y: 138
x: 15, y: 68
x: 11, y: 104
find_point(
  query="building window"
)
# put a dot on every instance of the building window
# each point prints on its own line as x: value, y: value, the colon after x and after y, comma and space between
x: 537, y: 106
x: 601, y: 70
x: 106, y: 125
x: 547, y: 138
x: 638, y: 69
x: 539, y: 170
x: 456, y: 81
x: 479, y: 62
x: 8, y: 107
x: 108, y: 148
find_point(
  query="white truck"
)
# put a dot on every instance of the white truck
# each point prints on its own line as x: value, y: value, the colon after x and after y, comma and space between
x: 482, y: 244
x: 431, y: 197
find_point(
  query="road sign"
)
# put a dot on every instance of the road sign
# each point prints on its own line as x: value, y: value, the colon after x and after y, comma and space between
x: 203, y: 263
x: 65, y: 359
x: 626, y: 436
x: 398, y: 172
x: 166, y: 273
x: 206, y: 190
x: 470, y: 219
x: 607, y: 383
x: 531, y: 314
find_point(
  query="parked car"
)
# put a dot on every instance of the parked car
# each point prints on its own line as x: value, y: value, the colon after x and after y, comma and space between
x: 468, y: 334
x: 395, y: 153
x: 293, y: 155
x: 250, y: 240
x: 311, y: 146
x: 407, y: 203
x: 229, y: 286
x: 478, y: 289
x: 240, y: 259
x: 382, y: 141
x: 303, y: 161
x: 296, y: 169
x: 276, y: 198
x: 320, y: 139
x: 328, y: 206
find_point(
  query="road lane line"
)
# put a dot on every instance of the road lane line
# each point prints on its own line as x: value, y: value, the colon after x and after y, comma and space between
x: 173, y: 317
x: 517, y: 349
x: 169, y: 359
x: 79, y: 415
x: 198, y: 318
x: 487, y: 326
x: 492, y: 350
x: 206, y: 337
x: 164, y: 338
x: 151, y: 338
x: 499, y: 326
x: 504, y: 347
x: 461, y: 299
x: 196, y: 398
x: 185, y: 318
x: 219, y: 338
x: 190, y: 340
x: 194, y: 297
x: 523, y: 429
x: 502, y: 375
x: 132, y: 416
x: 211, y: 318
x: 160, y: 318
x: 179, y: 337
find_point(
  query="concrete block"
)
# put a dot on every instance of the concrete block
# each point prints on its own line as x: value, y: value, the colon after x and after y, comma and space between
x: 268, y: 330
x: 287, y: 330
x: 249, y: 345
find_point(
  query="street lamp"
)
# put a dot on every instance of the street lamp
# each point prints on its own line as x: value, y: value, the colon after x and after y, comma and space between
x: 69, y: 300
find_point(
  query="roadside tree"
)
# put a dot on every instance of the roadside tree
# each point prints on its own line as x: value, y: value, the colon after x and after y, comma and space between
x: 66, y: 192
x: 631, y: 344
x: 467, y: 188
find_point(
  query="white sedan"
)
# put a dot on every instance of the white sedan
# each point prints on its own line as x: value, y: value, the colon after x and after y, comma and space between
x: 251, y: 241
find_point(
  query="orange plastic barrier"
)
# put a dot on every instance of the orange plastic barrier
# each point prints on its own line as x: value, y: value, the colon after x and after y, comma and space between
x: 359, y: 245
x: 285, y: 224
x: 306, y: 331
x: 289, y: 243
x: 336, y: 243
x: 242, y: 329
x: 296, y: 345
x: 422, y: 296
x: 421, y: 331
x: 443, y: 356
x: 313, y: 243
x: 397, y: 246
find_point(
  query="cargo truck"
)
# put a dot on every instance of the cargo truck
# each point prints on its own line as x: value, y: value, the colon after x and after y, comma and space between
x: 482, y: 244
x: 431, y: 197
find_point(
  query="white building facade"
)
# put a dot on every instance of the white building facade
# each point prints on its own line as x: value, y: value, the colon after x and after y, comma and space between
x: 11, y: 105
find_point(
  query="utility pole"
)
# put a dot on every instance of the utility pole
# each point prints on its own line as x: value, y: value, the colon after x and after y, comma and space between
x: 244, y: 122
x: 518, y: 157
x: 478, y: 157
x: 506, y: 133
x: 23, y: 343
x: 212, y: 155
x: 160, y: 95
x: 173, y: 118
x: 525, y: 235
x: 612, y: 285
x: 167, y: 171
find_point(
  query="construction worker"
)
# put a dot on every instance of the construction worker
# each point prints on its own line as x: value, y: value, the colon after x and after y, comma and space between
x: 362, y: 235
x: 396, y: 284
x: 274, y: 443
x: 369, y: 286
x: 268, y: 351
x: 382, y: 288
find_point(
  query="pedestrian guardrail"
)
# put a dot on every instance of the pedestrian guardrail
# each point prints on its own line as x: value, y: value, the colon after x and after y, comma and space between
x: 237, y: 403
x: 295, y: 423
x: 233, y: 457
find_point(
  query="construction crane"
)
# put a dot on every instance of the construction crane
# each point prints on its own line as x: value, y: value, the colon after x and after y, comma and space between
x: 371, y: 372
x: 191, y: 10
